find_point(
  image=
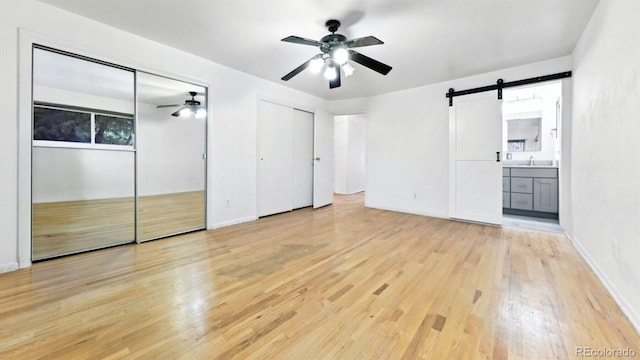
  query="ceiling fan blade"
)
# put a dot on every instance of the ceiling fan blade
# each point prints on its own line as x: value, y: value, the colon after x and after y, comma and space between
x: 372, y: 64
x: 177, y: 112
x: 166, y: 106
x: 335, y: 82
x: 299, y: 69
x: 363, y: 41
x: 301, y: 40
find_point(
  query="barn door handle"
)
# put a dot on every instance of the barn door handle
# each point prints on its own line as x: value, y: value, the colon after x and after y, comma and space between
x: 498, y: 156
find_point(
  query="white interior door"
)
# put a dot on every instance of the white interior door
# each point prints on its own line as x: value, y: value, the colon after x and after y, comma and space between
x: 475, y: 134
x: 275, y: 146
x: 323, y: 159
x: 302, y: 159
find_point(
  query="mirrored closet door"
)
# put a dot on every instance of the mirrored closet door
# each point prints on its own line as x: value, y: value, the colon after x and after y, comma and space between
x: 107, y: 169
x: 171, y: 156
x: 83, y: 154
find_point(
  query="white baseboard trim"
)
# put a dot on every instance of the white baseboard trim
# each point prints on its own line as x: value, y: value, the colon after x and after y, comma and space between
x: 25, y: 263
x: 421, y: 213
x: 8, y: 267
x: 625, y: 305
x: 231, y: 222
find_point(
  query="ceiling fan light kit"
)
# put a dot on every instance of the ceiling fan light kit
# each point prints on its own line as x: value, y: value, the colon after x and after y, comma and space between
x: 335, y: 55
x: 190, y: 107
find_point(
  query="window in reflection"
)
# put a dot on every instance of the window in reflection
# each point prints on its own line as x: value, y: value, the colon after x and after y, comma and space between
x: 61, y: 125
x: 113, y: 130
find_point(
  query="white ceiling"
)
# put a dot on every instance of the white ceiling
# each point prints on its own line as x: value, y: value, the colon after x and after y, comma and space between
x: 426, y: 41
x: 54, y: 70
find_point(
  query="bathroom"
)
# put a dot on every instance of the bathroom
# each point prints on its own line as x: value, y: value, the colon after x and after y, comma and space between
x: 532, y: 147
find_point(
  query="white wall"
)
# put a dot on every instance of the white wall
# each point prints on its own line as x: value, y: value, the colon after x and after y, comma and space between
x: 349, y: 145
x: 233, y: 98
x: 341, y: 151
x: 605, y: 176
x: 356, y: 154
x: 74, y: 98
x: 408, y: 140
x: 61, y: 174
x: 169, y: 152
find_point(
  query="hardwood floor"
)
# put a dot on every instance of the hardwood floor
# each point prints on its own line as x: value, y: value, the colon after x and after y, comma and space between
x: 341, y: 282
x: 72, y: 226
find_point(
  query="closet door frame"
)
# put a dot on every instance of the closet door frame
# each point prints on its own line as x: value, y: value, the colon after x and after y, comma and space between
x: 27, y: 39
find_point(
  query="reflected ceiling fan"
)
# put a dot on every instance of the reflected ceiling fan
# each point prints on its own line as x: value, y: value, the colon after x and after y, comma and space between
x: 335, y: 52
x: 189, y: 107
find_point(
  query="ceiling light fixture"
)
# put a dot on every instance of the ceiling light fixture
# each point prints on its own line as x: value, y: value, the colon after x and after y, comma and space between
x: 331, y: 73
x: 200, y: 113
x: 316, y: 65
x: 184, y: 112
x: 348, y: 69
x: 340, y: 55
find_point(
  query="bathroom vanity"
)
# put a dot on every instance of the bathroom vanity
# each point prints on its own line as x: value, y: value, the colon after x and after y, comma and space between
x: 530, y: 191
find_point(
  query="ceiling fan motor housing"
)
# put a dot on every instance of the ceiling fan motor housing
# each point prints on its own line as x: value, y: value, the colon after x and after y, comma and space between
x: 193, y: 100
x: 332, y: 25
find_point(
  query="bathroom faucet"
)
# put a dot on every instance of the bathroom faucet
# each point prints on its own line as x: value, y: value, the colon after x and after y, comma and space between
x: 531, y: 161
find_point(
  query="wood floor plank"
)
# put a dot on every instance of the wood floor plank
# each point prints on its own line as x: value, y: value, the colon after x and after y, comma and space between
x: 340, y: 282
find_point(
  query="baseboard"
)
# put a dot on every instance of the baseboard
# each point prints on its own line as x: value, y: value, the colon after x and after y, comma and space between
x: 624, y: 304
x: 421, y: 213
x: 231, y: 222
x: 25, y: 263
x: 8, y: 267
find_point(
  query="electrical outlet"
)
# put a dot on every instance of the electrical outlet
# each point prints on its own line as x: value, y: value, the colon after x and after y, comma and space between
x: 227, y: 203
x: 415, y: 196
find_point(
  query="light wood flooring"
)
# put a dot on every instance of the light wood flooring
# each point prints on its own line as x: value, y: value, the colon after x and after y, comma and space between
x: 72, y: 226
x: 340, y: 282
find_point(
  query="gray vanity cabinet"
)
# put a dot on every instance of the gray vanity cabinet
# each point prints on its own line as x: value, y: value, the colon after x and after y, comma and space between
x: 530, y: 191
x: 545, y: 195
x: 506, y: 188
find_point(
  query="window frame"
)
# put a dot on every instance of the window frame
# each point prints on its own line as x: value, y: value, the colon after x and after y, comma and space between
x: 81, y: 145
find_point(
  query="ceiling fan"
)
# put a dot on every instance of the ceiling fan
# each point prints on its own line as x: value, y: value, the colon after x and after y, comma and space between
x: 190, y: 106
x: 335, y: 52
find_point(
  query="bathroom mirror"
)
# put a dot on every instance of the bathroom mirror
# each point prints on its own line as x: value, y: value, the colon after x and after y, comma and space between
x: 524, y: 134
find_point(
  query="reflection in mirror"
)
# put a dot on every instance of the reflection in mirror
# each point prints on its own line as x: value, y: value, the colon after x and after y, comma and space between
x: 82, y: 160
x: 171, y: 157
x: 524, y: 134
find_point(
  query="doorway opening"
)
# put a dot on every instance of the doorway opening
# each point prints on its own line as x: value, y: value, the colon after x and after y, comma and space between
x: 349, y: 149
x: 531, y: 144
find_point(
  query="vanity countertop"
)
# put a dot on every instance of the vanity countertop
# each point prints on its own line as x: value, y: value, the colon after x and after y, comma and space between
x: 543, y: 164
x: 530, y: 166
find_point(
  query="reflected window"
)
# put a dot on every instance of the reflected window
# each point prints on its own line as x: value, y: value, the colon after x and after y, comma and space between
x: 61, y: 125
x: 113, y: 130
x: 515, y: 145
